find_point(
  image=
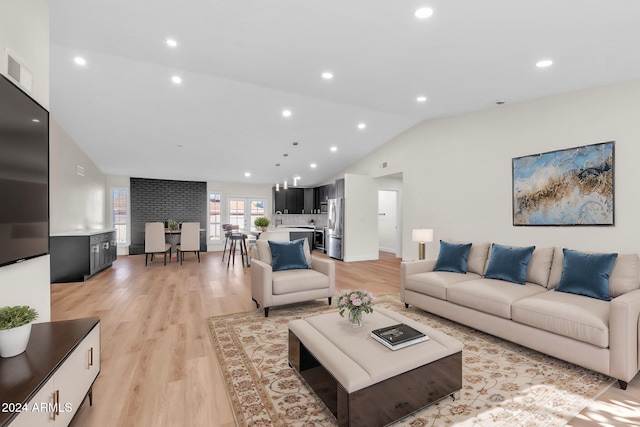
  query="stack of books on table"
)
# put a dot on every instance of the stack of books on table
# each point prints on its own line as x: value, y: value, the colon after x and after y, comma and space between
x: 398, y: 336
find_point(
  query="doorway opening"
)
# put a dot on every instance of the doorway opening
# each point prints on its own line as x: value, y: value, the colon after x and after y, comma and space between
x: 390, y: 214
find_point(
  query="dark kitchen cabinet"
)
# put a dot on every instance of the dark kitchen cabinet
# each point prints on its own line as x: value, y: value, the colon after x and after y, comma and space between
x: 308, y: 201
x: 339, y: 190
x: 295, y: 200
x: 323, y: 193
x: 78, y: 255
x: 279, y: 200
x: 289, y: 201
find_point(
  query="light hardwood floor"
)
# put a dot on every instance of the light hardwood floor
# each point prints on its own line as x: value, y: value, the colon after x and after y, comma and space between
x: 158, y: 366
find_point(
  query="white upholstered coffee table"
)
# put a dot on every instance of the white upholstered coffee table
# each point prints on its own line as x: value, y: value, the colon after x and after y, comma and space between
x: 363, y: 382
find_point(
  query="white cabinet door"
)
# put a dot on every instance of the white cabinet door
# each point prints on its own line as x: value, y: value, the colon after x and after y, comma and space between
x: 38, y: 411
x: 75, y: 376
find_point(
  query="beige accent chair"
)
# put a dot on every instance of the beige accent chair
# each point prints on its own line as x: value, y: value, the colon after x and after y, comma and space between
x: 155, y: 242
x: 273, y: 288
x: 189, y: 240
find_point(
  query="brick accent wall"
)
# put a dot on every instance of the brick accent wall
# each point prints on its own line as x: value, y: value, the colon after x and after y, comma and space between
x: 162, y: 200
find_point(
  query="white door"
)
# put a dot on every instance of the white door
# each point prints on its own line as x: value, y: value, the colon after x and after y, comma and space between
x: 388, y: 221
x: 244, y: 210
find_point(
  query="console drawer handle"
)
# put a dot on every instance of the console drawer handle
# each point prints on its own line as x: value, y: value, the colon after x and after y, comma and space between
x: 56, y: 403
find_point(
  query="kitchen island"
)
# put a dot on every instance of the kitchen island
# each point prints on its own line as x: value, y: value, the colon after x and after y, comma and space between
x: 300, y: 232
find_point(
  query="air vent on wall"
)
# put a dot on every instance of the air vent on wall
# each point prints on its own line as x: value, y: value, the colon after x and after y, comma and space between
x: 18, y: 72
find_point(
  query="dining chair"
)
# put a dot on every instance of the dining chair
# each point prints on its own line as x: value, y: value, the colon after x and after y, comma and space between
x: 189, y: 240
x: 154, y: 242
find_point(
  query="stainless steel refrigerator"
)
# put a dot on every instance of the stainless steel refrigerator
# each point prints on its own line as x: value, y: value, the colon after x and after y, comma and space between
x: 335, y: 228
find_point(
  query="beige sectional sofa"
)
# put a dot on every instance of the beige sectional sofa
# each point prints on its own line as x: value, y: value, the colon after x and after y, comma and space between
x: 599, y: 335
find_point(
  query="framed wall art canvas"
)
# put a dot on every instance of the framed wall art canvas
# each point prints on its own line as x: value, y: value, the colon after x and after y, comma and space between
x: 565, y: 187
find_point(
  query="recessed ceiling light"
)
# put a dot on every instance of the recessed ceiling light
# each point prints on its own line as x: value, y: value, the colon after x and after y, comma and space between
x: 361, y: 125
x: 172, y: 43
x: 313, y: 165
x: 423, y: 13
x: 334, y: 149
x: 286, y: 113
x: 35, y: 120
x: 544, y: 63
x: 327, y: 75
x: 176, y: 79
x: 247, y: 174
x: 421, y: 98
x: 80, y: 60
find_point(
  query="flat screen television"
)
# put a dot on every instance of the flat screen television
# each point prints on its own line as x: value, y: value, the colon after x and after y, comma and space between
x: 24, y: 175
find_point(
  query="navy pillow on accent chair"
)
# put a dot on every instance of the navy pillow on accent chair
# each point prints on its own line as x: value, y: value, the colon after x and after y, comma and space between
x: 288, y: 255
x: 453, y: 257
x: 586, y: 274
x: 509, y: 263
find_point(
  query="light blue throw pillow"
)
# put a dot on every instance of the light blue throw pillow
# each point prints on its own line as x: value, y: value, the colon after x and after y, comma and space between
x: 453, y: 257
x: 288, y: 255
x: 586, y: 274
x: 509, y: 263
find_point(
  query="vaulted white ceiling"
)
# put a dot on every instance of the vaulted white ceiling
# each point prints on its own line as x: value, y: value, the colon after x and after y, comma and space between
x: 243, y: 62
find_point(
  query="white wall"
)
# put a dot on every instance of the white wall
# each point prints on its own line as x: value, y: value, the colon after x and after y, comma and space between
x: 24, y: 30
x: 360, y: 237
x: 77, y: 202
x: 28, y: 283
x: 457, y: 170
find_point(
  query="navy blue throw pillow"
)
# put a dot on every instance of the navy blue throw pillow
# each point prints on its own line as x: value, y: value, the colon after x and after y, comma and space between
x: 509, y: 263
x: 288, y: 255
x: 586, y: 274
x: 453, y: 257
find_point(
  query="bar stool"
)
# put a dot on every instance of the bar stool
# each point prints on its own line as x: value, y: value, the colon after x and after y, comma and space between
x: 235, y: 238
x: 227, y: 228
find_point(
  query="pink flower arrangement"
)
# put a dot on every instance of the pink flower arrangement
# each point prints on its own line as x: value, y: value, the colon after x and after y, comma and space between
x: 359, y: 300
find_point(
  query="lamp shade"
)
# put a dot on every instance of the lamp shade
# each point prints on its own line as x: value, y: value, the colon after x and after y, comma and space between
x: 422, y: 235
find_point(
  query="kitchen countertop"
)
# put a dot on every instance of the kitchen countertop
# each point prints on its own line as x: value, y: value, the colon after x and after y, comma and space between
x: 82, y: 232
x: 297, y: 228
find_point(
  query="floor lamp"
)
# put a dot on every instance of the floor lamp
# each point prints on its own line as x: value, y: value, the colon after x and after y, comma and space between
x: 422, y: 236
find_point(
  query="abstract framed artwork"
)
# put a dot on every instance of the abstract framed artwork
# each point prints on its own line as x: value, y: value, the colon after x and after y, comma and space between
x: 571, y: 187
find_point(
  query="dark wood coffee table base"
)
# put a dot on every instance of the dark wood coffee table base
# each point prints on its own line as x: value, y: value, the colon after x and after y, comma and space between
x: 383, y: 402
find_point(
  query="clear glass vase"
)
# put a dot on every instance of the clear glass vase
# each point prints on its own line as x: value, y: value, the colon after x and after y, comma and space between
x: 356, y: 318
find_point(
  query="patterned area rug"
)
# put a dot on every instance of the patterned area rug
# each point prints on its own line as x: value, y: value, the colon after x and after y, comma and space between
x: 503, y: 384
